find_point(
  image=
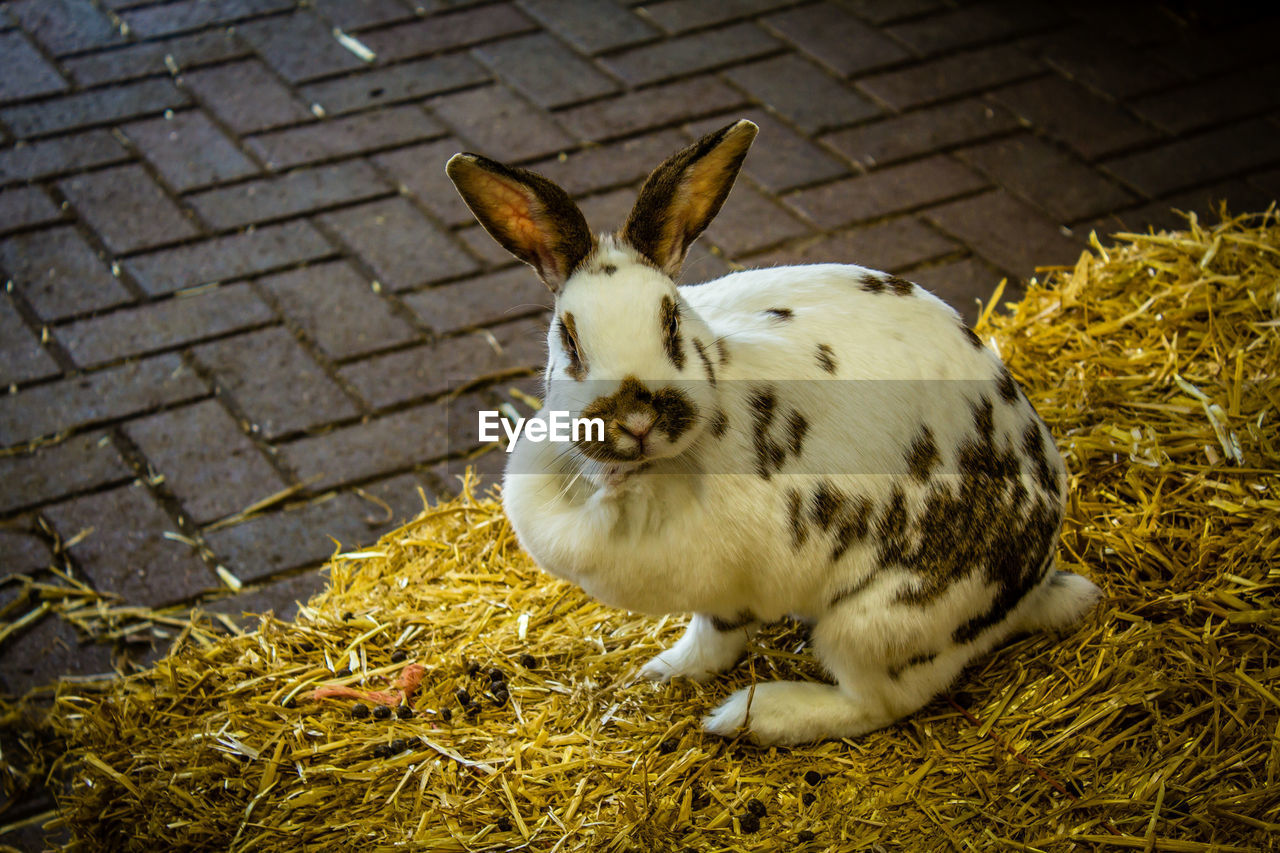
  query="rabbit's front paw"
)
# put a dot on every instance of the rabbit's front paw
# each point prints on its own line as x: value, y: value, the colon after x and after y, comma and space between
x: 702, y: 653
x: 788, y: 712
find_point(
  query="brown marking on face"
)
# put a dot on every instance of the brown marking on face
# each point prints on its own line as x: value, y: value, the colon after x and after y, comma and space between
x: 827, y: 358
x: 672, y: 411
x: 780, y: 314
x: 873, y: 283
x: 719, y: 423
x: 923, y: 455
x: 577, y: 368
x: 609, y: 269
x: 706, y: 360
x: 669, y: 322
x: 901, y: 286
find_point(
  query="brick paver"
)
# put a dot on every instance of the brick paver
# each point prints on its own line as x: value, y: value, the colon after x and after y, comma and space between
x: 234, y: 264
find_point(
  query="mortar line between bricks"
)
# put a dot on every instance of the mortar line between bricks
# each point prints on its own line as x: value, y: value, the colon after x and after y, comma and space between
x: 751, y: 16
x: 519, y: 96
x: 556, y: 37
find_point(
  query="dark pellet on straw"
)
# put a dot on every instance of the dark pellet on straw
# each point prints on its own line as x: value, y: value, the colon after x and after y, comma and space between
x: 808, y: 798
x: 756, y: 807
x: 404, y: 712
x: 813, y: 777
x: 496, y: 675
x: 804, y: 836
x: 398, y: 745
x: 464, y: 698
x: 749, y: 822
x: 359, y: 711
x: 398, y: 655
x: 382, y: 712
x: 528, y: 661
x: 668, y: 746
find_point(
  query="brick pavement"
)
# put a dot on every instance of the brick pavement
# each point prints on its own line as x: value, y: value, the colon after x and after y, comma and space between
x: 234, y: 265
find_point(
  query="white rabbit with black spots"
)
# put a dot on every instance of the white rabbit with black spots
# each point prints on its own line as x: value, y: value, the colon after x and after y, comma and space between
x: 827, y: 442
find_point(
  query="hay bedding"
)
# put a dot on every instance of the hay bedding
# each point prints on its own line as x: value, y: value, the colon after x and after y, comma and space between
x: 1154, y: 726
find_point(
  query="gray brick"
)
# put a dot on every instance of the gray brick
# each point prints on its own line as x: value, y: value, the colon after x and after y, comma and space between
x: 159, y: 325
x: 591, y: 26
x: 48, y: 651
x: 483, y: 246
x: 251, y: 251
x: 189, y: 151
x: 750, y: 221
x: 277, y: 596
x: 885, y: 191
x: 676, y: 57
x: 892, y: 246
x: 57, y: 470
x: 1065, y: 111
x: 23, y: 71
x: 782, y: 158
x: 404, y: 249
x: 1198, y: 159
x: 446, y: 32
x: 246, y: 96
x: 100, y: 106
x: 975, y: 24
x: 679, y: 16
x: 1099, y: 62
x: 336, y: 308
x: 500, y: 124
x: 880, y: 12
x: 954, y: 75
x: 660, y: 105
x: 544, y: 71
x: 411, y: 81
x: 1213, y: 101
x: 299, y: 46
x: 21, y: 356
x: 126, y: 551
x: 325, y: 140
x: 615, y: 164
x: 1007, y: 232
x: 920, y: 132
x: 964, y: 284
x: 479, y: 301
x: 24, y: 206
x: 803, y: 93
x: 289, y: 194
x: 126, y: 208
x: 206, y: 462
x: 608, y: 211
x: 29, y: 160
x: 419, y: 170
x: 837, y: 39
x: 354, y: 16
x: 700, y: 265
x: 65, y: 26
x: 274, y: 383
x: 148, y: 58
x: 196, y: 14
x: 424, y: 371
x: 59, y: 274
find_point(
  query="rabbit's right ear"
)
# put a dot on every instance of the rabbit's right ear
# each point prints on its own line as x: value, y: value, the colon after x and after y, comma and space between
x: 527, y: 214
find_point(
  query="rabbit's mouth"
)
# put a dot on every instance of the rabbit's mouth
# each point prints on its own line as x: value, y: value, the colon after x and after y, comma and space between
x: 639, y: 423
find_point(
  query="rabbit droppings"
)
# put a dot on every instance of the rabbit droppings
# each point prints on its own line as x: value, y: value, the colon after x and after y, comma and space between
x: 823, y: 441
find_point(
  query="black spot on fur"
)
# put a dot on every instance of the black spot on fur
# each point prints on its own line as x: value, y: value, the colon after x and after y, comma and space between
x: 669, y: 321
x: 1007, y: 388
x: 672, y: 410
x: 825, y: 506
x: 923, y: 456
x: 797, y: 426
x: 895, y: 670
x: 769, y: 454
x: 855, y: 523
x: 1033, y: 446
x: 782, y: 314
x: 850, y: 592
x: 722, y: 350
x: 742, y: 620
x: 608, y: 269
x: 826, y: 358
x: 706, y: 360
x: 795, y: 516
x: 873, y: 283
x: 901, y: 286
x: 577, y: 368
x: 892, y: 532
x: 971, y: 336
x: 719, y: 423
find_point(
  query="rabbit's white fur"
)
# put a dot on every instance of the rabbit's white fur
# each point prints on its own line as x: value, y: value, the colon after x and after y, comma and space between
x: 712, y: 525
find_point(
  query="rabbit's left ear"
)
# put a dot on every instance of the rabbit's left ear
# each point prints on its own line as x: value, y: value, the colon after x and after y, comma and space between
x: 680, y: 198
x: 529, y: 215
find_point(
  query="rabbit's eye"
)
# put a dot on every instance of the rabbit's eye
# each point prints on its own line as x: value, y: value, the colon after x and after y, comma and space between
x: 569, y: 342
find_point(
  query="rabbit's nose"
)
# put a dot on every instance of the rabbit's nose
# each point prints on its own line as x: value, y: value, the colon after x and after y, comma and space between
x: 636, y: 424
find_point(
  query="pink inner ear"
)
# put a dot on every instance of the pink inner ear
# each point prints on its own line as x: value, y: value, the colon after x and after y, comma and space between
x: 511, y: 209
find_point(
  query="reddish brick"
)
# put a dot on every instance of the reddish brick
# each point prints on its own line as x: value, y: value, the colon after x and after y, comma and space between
x: 368, y: 13
x: 801, y: 92
x: 274, y: 383
x: 1167, y: 214
x: 446, y: 32
x: 945, y: 78
x: 970, y: 25
x: 65, y: 26
x: 188, y: 150
x: 29, y: 160
x: 1198, y: 159
x: 159, y: 325
x: 678, y: 16
x: 419, y: 170
x: 891, y: 246
x: 544, y: 71
x: 1094, y: 60
x: 703, y: 51
x: 411, y: 81
x: 421, y: 372
x: 279, y: 597
x: 783, y: 159
x: 246, y: 96
x: 598, y: 167
x: 608, y: 211
x: 700, y: 265
x: 59, y: 274
x: 655, y: 107
x: 500, y: 124
x: 336, y: 308
x: 24, y: 206
x: 95, y: 397
x: 171, y: 18
x: 289, y: 194
x: 254, y: 250
x: 483, y: 246
x: 148, y: 58
x: 837, y: 39
x: 206, y: 462
x: 21, y: 356
x: 1213, y: 101
x: 1062, y: 186
x: 402, y: 247
x: 487, y: 466
x: 1065, y: 111
x: 23, y: 71
x: 56, y: 470
x: 479, y: 301
x: 880, y: 12
x: 885, y: 191
x: 1009, y: 233
x: 299, y: 46
x: 126, y: 551
x: 750, y: 221
x: 126, y: 208
x: 100, y: 106
x: 520, y: 344
x: 965, y: 284
x: 324, y: 140
x: 591, y: 26
x: 920, y: 132
x: 39, y: 657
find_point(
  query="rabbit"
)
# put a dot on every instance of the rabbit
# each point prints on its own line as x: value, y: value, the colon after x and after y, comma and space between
x: 824, y: 442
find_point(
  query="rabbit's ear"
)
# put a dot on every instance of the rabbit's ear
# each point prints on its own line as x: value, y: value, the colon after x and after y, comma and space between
x: 680, y: 197
x: 530, y: 216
